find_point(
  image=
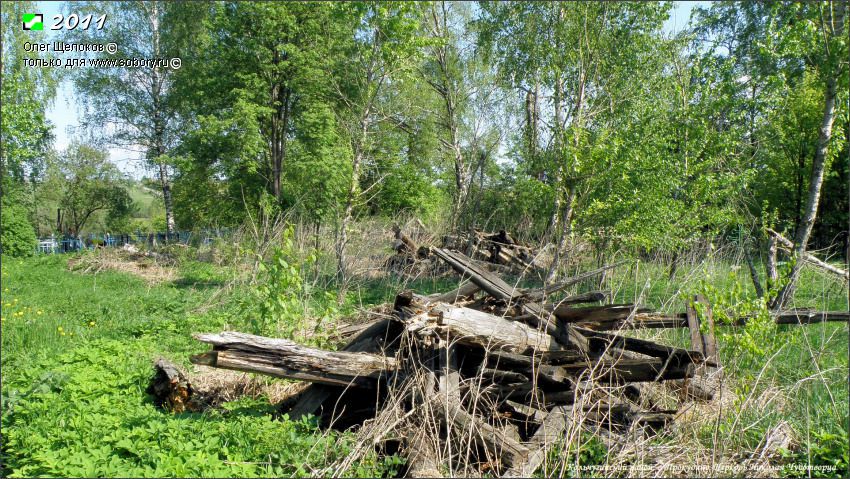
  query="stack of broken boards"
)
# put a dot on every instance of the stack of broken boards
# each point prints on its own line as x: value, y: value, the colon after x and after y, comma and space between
x: 500, y: 250
x: 497, y: 252
x: 483, y: 379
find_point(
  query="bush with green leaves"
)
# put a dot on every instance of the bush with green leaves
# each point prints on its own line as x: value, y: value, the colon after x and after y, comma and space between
x: 18, y: 236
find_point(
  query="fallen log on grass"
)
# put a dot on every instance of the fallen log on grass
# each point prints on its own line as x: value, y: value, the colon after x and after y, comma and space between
x: 172, y: 390
x: 287, y: 359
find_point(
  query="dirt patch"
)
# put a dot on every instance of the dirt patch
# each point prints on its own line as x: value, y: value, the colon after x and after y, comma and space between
x: 153, y: 267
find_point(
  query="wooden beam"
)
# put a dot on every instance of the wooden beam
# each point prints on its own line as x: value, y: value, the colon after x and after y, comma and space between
x: 312, y: 398
x: 548, y: 434
x: 287, y: 359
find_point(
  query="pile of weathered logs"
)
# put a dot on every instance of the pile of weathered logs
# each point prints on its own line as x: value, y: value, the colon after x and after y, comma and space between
x: 498, y: 252
x: 484, y: 378
x: 496, y: 248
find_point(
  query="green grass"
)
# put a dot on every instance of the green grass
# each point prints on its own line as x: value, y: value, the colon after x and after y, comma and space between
x: 77, y: 356
x: 78, y: 351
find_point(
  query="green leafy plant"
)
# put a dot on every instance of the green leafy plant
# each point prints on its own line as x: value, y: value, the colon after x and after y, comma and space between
x: 18, y: 236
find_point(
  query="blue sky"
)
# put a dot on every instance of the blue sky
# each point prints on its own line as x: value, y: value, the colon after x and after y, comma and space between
x: 64, y: 115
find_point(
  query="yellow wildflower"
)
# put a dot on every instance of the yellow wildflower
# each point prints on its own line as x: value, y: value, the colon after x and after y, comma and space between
x: 63, y: 333
x: 91, y: 323
x: 38, y: 312
x: 59, y: 329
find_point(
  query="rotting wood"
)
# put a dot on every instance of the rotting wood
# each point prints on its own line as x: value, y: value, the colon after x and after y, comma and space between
x: 552, y: 430
x: 172, y: 390
x: 509, y: 449
x: 368, y: 340
x: 488, y: 378
x: 288, y: 359
x: 454, y: 295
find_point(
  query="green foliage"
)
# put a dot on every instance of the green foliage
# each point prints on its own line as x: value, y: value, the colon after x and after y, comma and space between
x: 822, y: 449
x: 25, y: 94
x: 92, y: 184
x: 18, y: 236
x: 83, y: 414
x: 278, y: 303
x: 574, y: 461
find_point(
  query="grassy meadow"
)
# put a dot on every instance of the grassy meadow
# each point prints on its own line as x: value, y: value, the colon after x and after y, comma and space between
x: 78, y: 348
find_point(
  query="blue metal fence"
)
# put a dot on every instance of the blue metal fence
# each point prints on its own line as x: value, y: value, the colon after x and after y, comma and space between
x: 70, y: 244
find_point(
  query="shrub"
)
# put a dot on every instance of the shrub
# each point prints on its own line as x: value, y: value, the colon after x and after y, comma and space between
x: 18, y: 236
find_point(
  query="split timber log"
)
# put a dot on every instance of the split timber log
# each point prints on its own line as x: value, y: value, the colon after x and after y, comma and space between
x: 476, y: 328
x: 499, y: 289
x: 367, y: 341
x: 552, y: 429
x: 600, y: 314
x: 803, y: 316
x: 632, y: 370
x: 287, y: 359
x: 403, y: 244
x: 462, y: 292
x: 171, y: 389
x: 787, y: 244
x: 589, y: 297
x: 600, y: 340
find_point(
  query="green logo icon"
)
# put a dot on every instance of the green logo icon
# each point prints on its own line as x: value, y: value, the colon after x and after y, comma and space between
x: 33, y: 21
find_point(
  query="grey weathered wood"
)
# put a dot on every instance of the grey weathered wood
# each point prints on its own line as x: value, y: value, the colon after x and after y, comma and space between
x: 454, y: 295
x: 477, y: 328
x: 602, y: 340
x: 608, y: 312
x: 366, y: 341
x: 497, y: 288
x: 802, y: 316
x: 172, y: 390
x: 548, y: 433
x: 632, y: 370
x: 499, y: 376
x: 287, y: 359
x: 510, y: 450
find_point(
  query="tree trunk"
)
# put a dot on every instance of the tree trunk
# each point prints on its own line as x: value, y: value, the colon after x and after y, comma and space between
x: 815, y: 182
x: 287, y: 359
x: 166, y: 197
x: 348, y: 211
x: 772, y: 272
x: 753, y: 273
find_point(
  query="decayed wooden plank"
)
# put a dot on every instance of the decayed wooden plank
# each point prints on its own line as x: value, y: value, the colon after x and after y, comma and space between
x: 602, y: 340
x: 550, y: 431
x: 510, y: 450
x: 287, y: 359
x: 472, y: 327
x: 803, y: 316
x: 497, y: 288
x: 452, y: 296
x: 608, y: 312
x: 316, y: 394
x: 693, y: 326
